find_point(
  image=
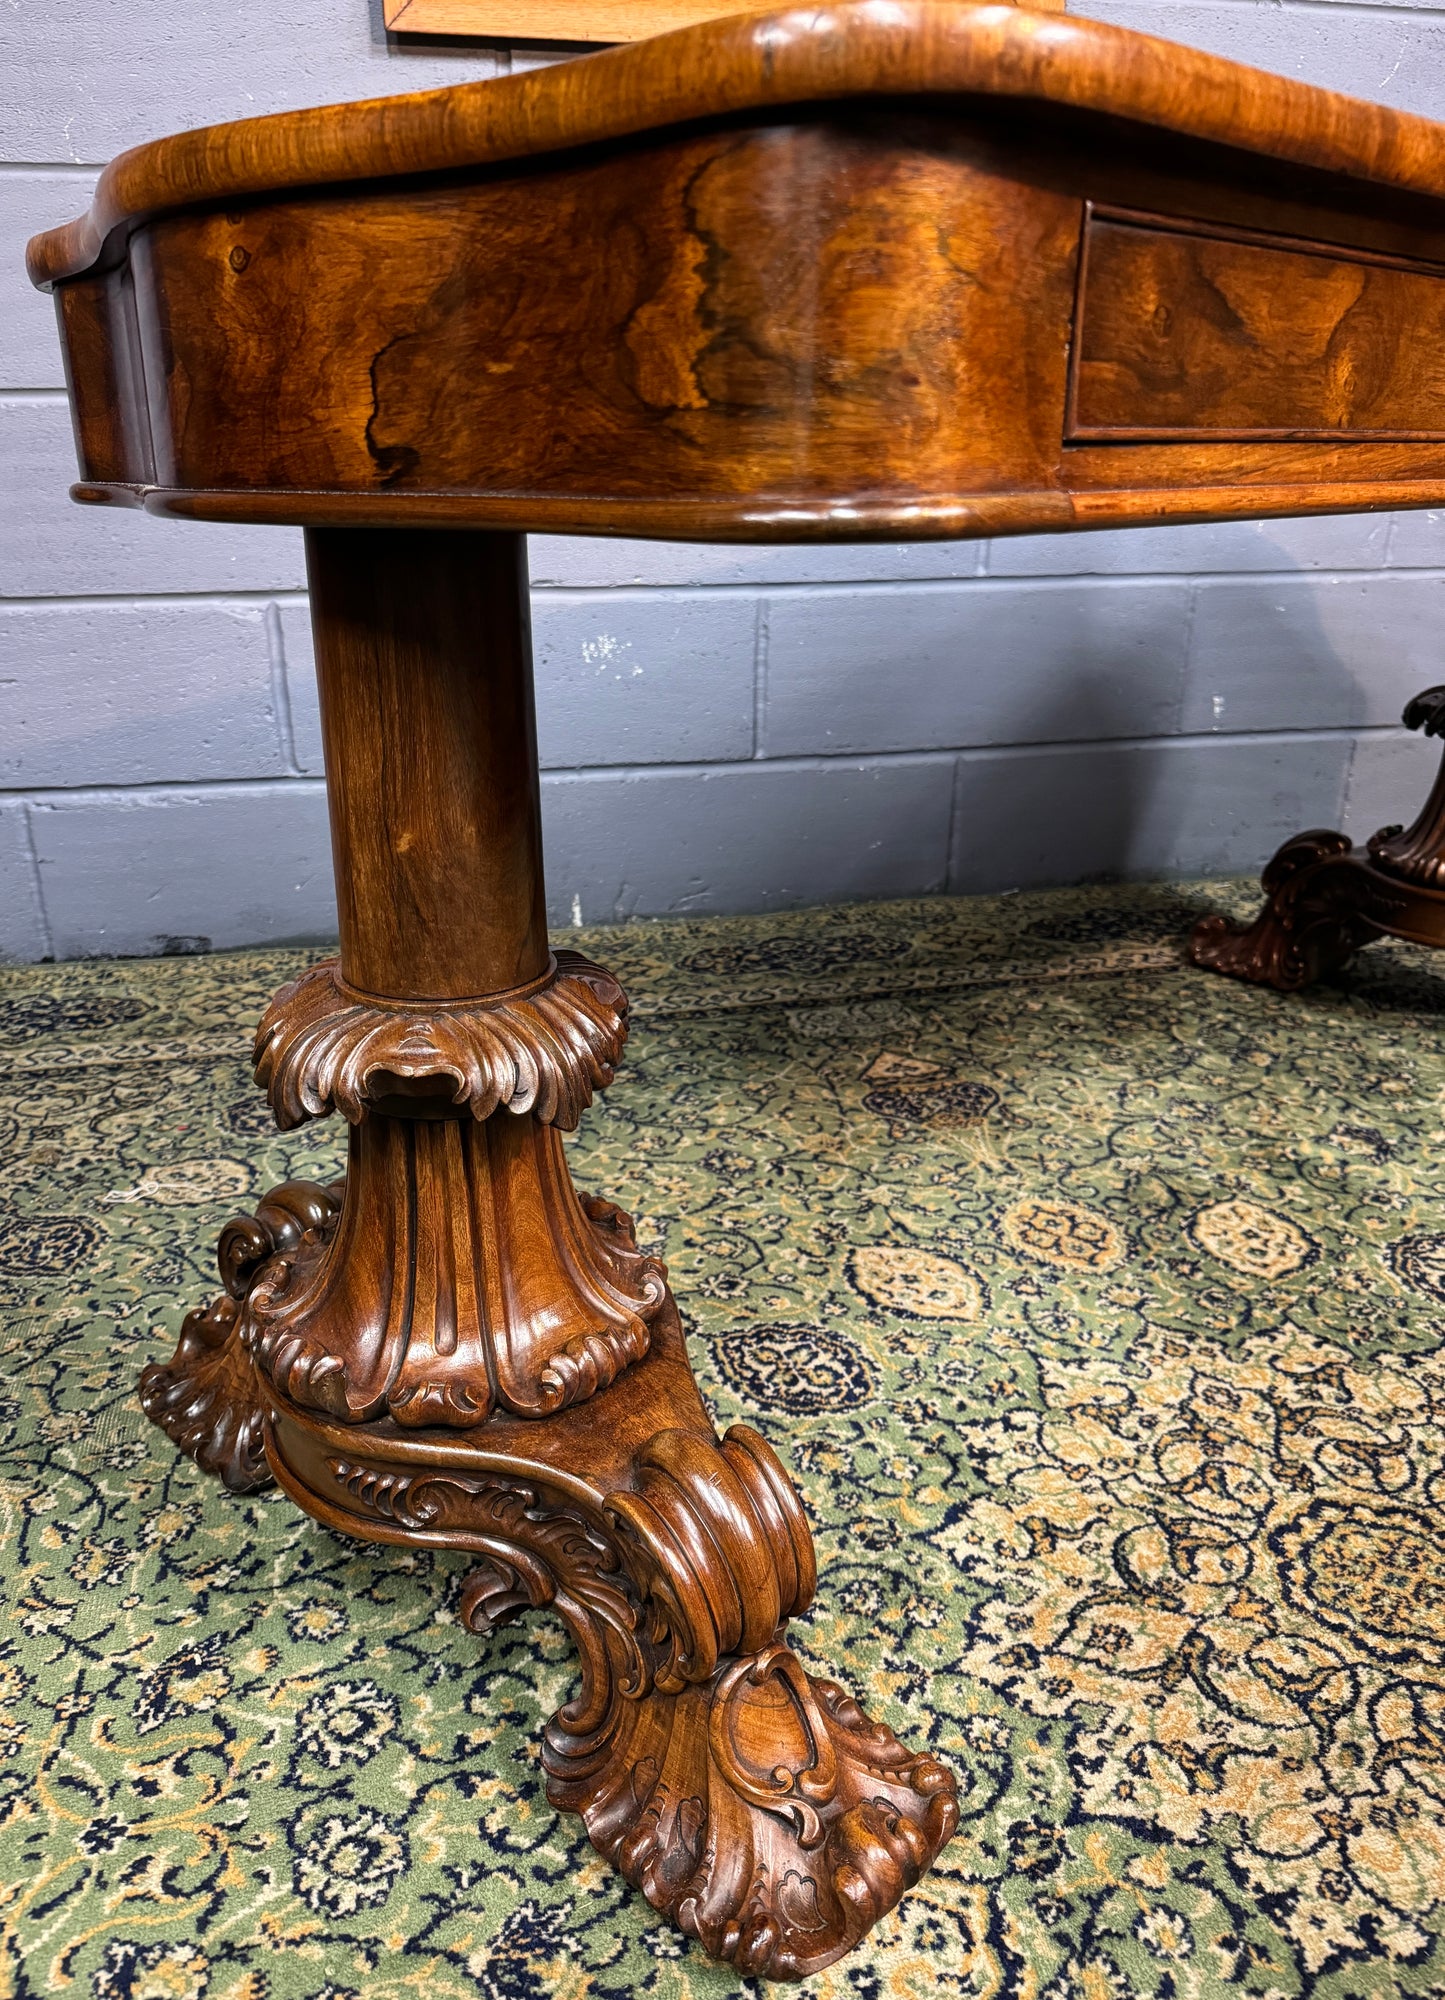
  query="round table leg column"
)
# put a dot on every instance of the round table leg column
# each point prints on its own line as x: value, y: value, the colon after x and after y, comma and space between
x: 424, y: 663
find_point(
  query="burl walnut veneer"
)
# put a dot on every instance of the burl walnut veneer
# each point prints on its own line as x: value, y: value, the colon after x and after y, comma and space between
x: 879, y: 270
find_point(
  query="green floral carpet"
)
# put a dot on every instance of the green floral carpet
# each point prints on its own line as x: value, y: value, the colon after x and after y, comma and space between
x: 1094, y: 1303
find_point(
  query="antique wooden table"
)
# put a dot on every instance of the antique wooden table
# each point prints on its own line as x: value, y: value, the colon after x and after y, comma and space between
x: 874, y: 270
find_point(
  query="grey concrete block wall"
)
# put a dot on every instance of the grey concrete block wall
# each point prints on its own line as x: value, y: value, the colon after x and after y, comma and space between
x: 721, y: 728
x: 50, y: 548
x: 182, y: 867
x: 1160, y: 806
x: 913, y: 666
x: 760, y: 836
x: 137, y: 693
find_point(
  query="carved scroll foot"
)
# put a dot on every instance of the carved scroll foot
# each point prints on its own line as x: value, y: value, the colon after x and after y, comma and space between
x: 763, y: 1812
x: 756, y: 1807
x: 1310, y: 924
x: 204, y: 1399
x: 759, y: 1809
x: 1326, y: 899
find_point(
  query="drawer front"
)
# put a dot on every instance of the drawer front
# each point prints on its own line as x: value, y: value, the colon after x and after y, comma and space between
x: 1187, y: 332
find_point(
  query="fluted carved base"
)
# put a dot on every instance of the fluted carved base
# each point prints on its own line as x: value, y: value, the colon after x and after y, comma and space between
x: 453, y: 1273
x: 463, y: 1275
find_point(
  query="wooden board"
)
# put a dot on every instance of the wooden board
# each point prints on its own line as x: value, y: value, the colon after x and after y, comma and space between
x: 575, y: 21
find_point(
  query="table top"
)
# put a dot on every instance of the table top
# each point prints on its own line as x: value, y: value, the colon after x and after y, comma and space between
x: 871, y: 270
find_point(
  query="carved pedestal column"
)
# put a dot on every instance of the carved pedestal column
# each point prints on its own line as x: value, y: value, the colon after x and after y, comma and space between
x: 1325, y: 898
x: 451, y: 1348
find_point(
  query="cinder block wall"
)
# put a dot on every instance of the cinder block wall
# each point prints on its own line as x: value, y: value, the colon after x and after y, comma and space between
x: 722, y: 728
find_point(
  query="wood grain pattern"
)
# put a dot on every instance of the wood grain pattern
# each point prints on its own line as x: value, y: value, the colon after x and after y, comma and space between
x: 1186, y: 332
x: 100, y: 340
x: 704, y: 374
x: 424, y: 669
x: 843, y: 312
x: 830, y: 54
x: 459, y: 341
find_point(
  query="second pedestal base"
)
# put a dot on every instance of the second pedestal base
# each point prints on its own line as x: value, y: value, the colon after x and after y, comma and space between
x: 1324, y: 899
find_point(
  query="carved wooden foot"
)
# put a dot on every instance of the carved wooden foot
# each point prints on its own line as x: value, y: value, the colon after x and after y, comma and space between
x: 1325, y: 899
x: 758, y: 1808
x: 206, y: 1401
x: 205, y: 1397
x: 452, y: 1349
x: 1309, y: 925
x: 763, y: 1812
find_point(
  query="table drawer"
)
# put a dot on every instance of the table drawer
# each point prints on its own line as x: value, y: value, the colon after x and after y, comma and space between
x: 1187, y: 331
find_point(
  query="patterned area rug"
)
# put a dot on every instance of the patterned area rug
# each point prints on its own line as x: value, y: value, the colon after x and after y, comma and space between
x: 1094, y: 1303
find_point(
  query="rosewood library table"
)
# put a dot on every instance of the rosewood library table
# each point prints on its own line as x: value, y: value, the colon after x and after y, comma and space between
x: 884, y: 269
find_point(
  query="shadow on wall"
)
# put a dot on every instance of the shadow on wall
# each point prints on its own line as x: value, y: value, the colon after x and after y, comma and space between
x: 1068, y: 807
x: 1134, y: 751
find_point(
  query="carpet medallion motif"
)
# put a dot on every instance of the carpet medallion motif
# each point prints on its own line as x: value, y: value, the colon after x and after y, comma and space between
x: 1094, y: 1304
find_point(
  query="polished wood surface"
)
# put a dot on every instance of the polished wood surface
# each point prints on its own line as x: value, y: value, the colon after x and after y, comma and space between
x: 939, y: 270
x: 424, y: 667
x: 914, y: 270
x: 1189, y: 333
x: 916, y: 49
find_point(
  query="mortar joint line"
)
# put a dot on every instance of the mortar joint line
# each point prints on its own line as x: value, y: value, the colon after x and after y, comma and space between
x: 32, y: 854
